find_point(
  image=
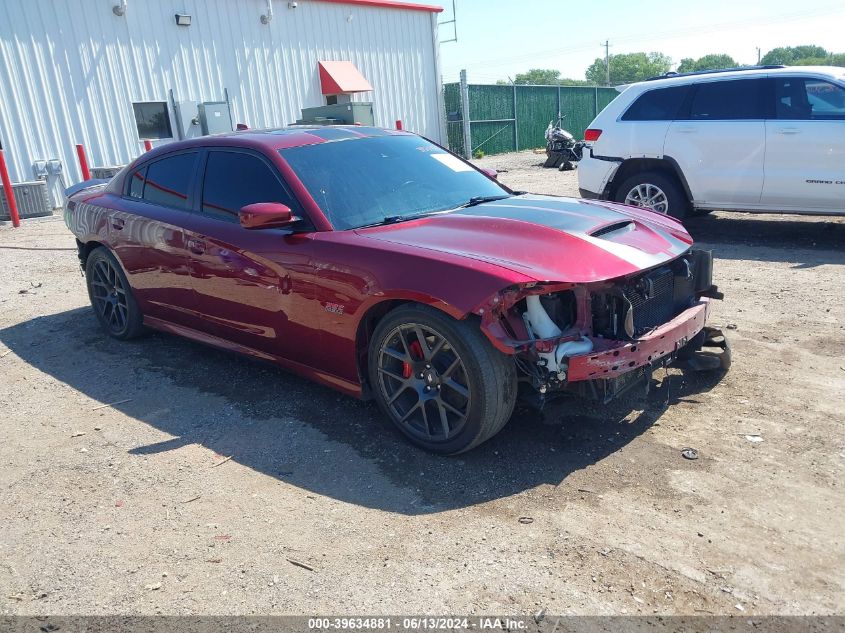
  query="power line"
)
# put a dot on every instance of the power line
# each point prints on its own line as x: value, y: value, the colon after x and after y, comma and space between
x: 491, y: 63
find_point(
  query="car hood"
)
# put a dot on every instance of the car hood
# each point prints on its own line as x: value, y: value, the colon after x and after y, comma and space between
x: 548, y: 238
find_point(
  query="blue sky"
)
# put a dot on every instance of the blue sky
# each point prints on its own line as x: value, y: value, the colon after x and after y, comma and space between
x: 499, y: 38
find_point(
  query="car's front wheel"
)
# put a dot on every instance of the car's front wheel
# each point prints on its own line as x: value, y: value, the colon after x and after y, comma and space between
x: 440, y: 381
x: 656, y: 191
x: 111, y: 296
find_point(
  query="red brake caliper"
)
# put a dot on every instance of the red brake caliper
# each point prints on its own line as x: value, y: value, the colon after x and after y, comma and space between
x: 416, y: 354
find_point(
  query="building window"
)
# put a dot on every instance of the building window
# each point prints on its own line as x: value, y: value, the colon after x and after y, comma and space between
x: 152, y: 119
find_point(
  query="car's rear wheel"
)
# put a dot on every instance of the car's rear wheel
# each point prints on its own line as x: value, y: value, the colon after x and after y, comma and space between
x: 656, y: 191
x: 111, y: 296
x: 440, y: 381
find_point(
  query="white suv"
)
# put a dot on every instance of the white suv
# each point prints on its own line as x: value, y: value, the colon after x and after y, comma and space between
x: 754, y: 139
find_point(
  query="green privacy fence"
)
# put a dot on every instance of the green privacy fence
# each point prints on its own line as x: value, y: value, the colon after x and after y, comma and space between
x: 512, y: 118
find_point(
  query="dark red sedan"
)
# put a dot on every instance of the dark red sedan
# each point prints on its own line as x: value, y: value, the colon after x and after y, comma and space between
x: 382, y: 265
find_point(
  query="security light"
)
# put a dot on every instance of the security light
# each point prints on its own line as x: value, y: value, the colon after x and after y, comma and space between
x: 183, y: 20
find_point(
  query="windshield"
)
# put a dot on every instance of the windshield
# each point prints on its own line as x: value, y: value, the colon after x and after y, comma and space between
x: 371, y: 180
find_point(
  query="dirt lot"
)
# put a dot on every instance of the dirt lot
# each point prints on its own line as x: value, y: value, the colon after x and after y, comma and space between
x: 132, y: 508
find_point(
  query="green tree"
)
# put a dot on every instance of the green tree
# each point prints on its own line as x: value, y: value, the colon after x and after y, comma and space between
x: 810, y: 61
x: 544, y: 77
x: 708, y: 62
x: 538, y: 77
x: 687, y: 65
x: 834, y: 59
x: 629, y: 67
x: 787, y: 55
x: 576, y: 82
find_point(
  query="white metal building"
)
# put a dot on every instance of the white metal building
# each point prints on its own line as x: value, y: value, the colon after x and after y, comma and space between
x: 109, y: 73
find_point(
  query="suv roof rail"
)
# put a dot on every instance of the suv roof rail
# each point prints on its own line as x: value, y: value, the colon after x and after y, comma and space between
x: 671, y: 74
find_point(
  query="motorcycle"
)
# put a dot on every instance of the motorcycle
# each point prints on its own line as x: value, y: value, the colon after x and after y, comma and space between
x: 562, y: 150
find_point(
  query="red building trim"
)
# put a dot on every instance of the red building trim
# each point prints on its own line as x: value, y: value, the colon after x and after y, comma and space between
x: 391, y: 4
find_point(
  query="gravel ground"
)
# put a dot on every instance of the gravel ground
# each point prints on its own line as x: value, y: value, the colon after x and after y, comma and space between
x: 215, y: 485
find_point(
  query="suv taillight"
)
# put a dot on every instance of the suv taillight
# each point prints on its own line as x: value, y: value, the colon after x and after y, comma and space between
x: 592, y: 134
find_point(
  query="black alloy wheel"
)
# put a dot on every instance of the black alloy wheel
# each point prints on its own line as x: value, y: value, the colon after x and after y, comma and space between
x: 424, y: 382
x: 111, y: 297
x: 440, y: 381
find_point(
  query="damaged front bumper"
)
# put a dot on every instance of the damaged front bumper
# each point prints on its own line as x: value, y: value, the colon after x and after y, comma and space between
x: 684, y: 342
x: 611, y: 359
x: 603, y: 338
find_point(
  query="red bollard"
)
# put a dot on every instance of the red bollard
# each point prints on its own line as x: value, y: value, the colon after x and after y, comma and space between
x: 148, y: 145
x: 10, y: 194
x: 83, y: 162
x: 398, y: 124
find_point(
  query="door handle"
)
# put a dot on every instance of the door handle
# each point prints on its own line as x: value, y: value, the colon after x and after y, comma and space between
x: 117, y: 223
x: 197, y: 247
x: 789, y: 130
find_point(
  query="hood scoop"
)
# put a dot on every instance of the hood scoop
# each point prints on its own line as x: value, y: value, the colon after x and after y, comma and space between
x: 614, y: 227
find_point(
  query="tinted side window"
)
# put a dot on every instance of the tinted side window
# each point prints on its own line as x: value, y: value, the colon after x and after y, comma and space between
x: 729, y: 100
x: 234, y: 180
x: 661, y: 104
x: 808, y: 99
x: 136, y: 182
x: 169, y: 180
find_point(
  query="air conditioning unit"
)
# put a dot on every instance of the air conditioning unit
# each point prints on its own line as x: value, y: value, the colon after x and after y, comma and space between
x: 31, y: 197
x: 105, y: 173
x: 339, y: 114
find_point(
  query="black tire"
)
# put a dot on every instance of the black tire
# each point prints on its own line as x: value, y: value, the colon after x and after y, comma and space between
x: 111, y: 296
x: 427, y: 385
x: 551, y: 160
x: 677, y: 201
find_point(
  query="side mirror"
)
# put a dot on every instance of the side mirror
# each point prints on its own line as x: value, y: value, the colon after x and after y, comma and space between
x: 266, y: 215
x: 490, y: 173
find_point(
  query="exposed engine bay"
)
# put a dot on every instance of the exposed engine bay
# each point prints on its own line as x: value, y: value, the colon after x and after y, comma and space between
x: 600, y: 339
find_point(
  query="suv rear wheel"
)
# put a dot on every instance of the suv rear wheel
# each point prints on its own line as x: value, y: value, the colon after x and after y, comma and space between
x: 656, y: 191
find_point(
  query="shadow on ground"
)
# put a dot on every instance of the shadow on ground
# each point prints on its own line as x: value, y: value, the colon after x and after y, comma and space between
x: 266, y: 406
x: 760, y: 237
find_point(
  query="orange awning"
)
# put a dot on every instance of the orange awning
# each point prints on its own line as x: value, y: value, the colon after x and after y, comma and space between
x: 341, y: 77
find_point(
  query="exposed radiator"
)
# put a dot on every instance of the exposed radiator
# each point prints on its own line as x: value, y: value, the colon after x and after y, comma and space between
x: 32, y: 199
x: 652, y: 297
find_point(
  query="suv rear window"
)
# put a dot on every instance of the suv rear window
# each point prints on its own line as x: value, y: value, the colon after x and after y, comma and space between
x: 661, y: 104
x: 808, y: 99
x: 740, y: 99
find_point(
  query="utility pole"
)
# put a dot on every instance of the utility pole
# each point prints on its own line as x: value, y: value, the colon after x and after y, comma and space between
x: 606, y: 61
x: 465, y: 120
x: 758, y: 55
